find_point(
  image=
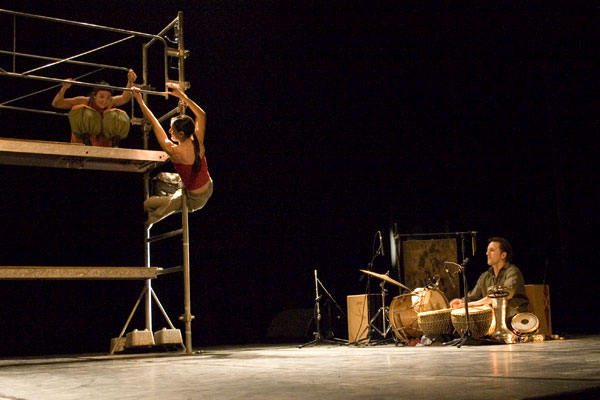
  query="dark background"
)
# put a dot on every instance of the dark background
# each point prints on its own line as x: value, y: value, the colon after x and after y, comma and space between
x: 326, y: 124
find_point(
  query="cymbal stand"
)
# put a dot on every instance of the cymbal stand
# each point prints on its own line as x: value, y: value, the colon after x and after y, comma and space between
x: 319, y: 339
x: 372, y: 327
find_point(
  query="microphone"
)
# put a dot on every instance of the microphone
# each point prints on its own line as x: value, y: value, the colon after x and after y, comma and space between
x: 381, y: 252
x: 465, y: 261
x: 451, y: 280
x: 450, y: 277
x: 317, y: 298
x: 473, y: 242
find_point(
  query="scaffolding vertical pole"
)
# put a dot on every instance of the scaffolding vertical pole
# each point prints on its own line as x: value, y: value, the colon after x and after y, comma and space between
x: 14, y: 44
x: 146, y: 130
x: 145, y: 83
x: 148, y: 282
x: 187, y: 317
x: 180, y: 46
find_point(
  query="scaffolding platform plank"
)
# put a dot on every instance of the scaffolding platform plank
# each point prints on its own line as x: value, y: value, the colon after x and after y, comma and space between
x: 83, y: 273
x: 35, y: 153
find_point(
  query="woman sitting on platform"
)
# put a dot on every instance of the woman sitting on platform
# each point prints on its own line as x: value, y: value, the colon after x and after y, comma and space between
x: 186, y: 150
x: 93, y: 119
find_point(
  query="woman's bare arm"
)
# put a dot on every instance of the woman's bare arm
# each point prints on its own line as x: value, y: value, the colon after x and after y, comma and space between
x: 200, y: 120
x: 161, y: 136
x: 61, y: 102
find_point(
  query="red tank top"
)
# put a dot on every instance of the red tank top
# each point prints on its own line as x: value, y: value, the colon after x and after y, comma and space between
x: 193, y: 180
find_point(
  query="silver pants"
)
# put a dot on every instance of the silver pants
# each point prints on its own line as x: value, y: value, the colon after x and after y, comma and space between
x: 159, y: 207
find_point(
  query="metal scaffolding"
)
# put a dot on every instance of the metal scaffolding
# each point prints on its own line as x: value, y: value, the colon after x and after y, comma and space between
x: 71, y: 155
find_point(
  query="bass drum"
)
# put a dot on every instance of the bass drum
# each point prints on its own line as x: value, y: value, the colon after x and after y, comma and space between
x: 405, y: 309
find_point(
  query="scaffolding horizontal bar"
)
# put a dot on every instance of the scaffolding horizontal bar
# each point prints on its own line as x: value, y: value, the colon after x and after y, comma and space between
x: 85, y: 84
x: 89, y: 273
x: 171, y: 270
x: 33, y: 110
x: 85, y: 25
x: 78, y: 156
x: 436, y: 234
x: 165, y: 235
x: 107, y: 66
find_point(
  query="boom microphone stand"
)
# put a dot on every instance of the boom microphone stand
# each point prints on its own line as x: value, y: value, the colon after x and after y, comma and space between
x: 377, y: 253
x: 466, y: 336
x: 319, y: 339
x: 383, y: 311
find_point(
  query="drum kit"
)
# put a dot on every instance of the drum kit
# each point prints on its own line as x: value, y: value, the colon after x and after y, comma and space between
x: 409, y: 314
x: 427, y: 312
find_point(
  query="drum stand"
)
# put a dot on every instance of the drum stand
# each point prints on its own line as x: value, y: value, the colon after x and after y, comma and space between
x: 329, y: 337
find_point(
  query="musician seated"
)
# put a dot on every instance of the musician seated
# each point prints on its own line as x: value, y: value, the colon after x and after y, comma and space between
x: 94, y: 119
x: 501, y: 273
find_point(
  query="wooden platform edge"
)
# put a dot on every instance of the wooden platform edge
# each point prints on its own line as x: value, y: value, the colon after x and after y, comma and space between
x: 89, y: 273
x: 37, y: 153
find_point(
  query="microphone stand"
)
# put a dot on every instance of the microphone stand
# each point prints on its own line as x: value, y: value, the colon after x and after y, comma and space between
x: 319, y: 339
x: 329, y: 334
x: 383, y: 311
x: 379, y: 252
x: 368, y: 293
x: 466, y: 336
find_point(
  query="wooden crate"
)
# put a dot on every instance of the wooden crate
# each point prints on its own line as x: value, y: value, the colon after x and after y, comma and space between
x: 539, y: 304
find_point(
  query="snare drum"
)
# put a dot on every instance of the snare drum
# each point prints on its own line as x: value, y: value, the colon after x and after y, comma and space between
x: 405, y: 309
x: 525, y: 323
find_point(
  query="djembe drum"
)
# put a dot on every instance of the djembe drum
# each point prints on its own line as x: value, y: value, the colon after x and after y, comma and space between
x: 480, y: 320
x: 436, y: 323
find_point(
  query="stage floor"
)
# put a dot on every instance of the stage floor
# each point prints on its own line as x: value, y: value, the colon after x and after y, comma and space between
x: 567, y: 368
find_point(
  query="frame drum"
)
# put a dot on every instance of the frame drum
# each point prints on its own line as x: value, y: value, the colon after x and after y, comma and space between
x: 525, y: 323
x: 405, y: 309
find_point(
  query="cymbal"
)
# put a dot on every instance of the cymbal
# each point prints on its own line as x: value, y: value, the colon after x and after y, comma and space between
x: 385, y: 277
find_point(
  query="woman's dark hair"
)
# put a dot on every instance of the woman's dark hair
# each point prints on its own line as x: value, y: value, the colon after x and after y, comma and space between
x: 185, y: 124
x: 96, y: 89
x: 504, y: 246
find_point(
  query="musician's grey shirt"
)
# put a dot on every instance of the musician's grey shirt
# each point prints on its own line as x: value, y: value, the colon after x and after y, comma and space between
x: 510, y: 277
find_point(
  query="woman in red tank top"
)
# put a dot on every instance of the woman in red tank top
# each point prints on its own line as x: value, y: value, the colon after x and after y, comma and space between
x: 185, y: 147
